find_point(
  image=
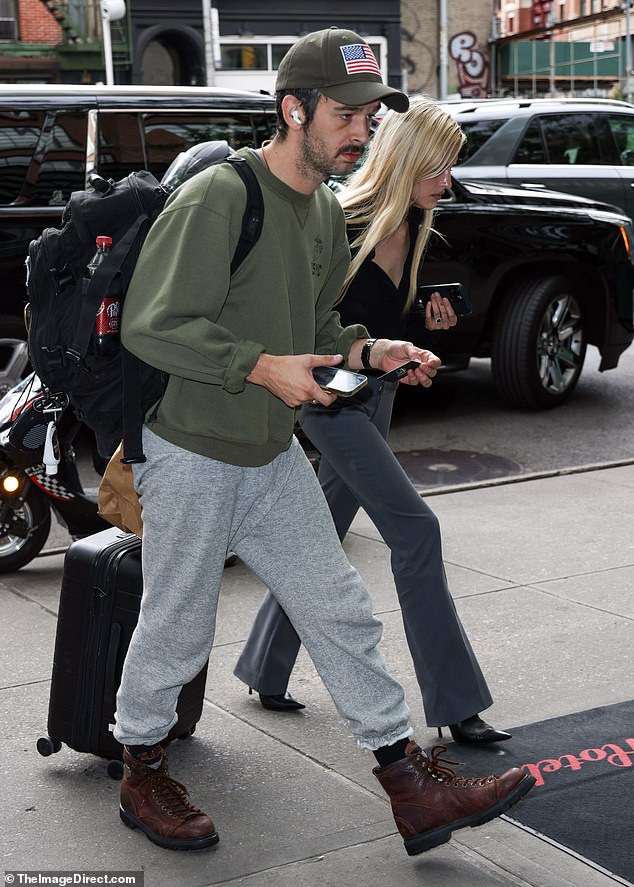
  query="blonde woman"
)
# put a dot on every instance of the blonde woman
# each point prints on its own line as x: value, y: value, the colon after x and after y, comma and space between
x: 389, y: 205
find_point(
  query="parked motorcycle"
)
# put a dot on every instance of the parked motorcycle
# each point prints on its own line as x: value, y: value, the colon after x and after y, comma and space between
x: 28, y: 494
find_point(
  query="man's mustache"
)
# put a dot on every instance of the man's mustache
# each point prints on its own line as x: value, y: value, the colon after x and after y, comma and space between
x: 351, y: 149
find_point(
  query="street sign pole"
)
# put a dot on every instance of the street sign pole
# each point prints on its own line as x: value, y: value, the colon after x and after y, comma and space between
x: 443, y: 56
x: 628, y: 53
x: 210, y: 68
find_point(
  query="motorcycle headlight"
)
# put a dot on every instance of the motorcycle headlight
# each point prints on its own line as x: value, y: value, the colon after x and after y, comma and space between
x: 10, y: 484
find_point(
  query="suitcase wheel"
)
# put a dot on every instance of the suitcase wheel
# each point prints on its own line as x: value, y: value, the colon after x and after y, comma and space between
x: 115, y: 770
x: 47, y: 746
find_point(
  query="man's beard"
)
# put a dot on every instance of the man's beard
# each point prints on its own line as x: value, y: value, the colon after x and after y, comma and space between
x: 316, y: 163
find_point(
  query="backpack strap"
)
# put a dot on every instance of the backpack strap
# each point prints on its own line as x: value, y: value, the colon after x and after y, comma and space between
x: 253, y: 216
x: 139, y: 382
x: 133, y: 412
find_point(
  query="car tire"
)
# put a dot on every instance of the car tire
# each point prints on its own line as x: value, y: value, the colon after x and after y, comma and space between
x: 539, y: 344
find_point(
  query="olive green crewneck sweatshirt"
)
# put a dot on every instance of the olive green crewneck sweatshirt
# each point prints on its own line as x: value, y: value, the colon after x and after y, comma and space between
x: 184, y: 315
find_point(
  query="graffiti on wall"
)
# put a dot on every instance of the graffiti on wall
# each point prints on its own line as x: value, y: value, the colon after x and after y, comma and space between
x: 471, y: 65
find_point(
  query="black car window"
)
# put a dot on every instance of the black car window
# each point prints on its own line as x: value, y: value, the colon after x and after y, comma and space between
x: 622, y: 129
x: 166, y: 135
x: 478, y: 132
x: 263, y: 127
x: 532, y: 148
x: 57, y: 164
x: 120, y: 149
x: 41, y: 156
x: 571, y: 139
x: 19, y: 134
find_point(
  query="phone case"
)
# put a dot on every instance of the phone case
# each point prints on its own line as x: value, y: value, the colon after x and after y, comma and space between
x: 455, y: 292
x: 399, y: 372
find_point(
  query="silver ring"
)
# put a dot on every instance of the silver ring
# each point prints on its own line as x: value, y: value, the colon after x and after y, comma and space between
x: 438, y: 320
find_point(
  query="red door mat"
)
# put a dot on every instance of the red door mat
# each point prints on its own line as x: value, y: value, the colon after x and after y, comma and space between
x: 583, y: 798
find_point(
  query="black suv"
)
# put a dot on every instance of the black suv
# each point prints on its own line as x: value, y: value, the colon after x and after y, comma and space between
x: 52, y: 136
x: 547, y: 274
x: 581, y: 146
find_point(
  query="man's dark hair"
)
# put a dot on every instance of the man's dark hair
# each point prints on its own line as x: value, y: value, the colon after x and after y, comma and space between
x: 307, y: 98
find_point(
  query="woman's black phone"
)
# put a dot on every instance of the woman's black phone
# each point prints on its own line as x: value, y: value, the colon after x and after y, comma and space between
x: 343, y: 383
x: 455, y: 292
x: 399, y: 372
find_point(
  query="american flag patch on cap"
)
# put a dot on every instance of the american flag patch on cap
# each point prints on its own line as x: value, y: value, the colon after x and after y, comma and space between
x: 359, y: 59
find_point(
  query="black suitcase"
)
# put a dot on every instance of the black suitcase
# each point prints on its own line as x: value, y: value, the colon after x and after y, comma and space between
x: 98, y: 611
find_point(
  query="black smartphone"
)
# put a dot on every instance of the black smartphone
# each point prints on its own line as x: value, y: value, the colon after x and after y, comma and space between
x: 399, y: 372
x: 455, y: 292
x: 343, y: 383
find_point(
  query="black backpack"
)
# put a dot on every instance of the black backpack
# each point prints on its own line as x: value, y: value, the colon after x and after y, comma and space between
x: 64, y: 300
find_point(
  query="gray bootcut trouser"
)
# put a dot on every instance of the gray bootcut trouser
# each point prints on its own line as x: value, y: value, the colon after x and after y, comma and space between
x: 275, y: 517
x: 358, y: 469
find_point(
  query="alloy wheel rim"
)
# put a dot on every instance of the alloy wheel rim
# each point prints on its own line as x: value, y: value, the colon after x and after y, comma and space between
x: 560, y: 345
x: 11, y: 544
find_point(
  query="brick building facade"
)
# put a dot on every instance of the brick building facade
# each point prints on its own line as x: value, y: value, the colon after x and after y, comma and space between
x: 28, y: 43
x: 36, y: 24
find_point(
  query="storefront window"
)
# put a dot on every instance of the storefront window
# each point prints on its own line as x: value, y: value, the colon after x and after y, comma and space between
x: 8, y: 20
x: 244, y: 56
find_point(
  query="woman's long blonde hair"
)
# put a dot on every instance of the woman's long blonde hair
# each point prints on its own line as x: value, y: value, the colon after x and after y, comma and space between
x: 406, y: 148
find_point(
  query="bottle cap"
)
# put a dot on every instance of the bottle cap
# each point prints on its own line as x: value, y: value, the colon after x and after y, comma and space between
x: 103, y: 240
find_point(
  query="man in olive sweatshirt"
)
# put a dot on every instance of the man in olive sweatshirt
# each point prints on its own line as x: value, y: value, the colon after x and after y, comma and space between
x: 223, y: 470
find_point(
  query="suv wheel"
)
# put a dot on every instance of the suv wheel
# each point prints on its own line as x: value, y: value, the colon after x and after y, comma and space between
x: 539, y: 344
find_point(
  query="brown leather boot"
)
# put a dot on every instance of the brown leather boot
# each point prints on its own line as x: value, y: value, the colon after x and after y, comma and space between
x: 429, y: 801
x: 157, y: 804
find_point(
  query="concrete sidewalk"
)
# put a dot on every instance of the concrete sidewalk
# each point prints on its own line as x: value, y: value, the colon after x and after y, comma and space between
x: 542, y: 571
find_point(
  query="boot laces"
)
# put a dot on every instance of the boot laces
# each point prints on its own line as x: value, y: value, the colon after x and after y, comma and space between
x: 171, y: 795
x: 436, y: 766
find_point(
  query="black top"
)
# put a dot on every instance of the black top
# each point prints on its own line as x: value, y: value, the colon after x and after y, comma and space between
x: 372, y: 298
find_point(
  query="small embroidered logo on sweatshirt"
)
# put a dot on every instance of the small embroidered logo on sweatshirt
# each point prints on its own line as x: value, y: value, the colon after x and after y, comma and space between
x: 318, y: 249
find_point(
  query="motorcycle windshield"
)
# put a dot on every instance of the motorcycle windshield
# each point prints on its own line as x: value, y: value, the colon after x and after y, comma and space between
x: 18, y: 398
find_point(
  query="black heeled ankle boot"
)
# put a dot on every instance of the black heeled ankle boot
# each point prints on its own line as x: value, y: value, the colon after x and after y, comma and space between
x: 475, y: 731
x: 279, y: 701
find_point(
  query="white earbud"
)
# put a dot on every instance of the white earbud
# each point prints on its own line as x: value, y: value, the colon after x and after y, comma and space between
x: 296, y: 117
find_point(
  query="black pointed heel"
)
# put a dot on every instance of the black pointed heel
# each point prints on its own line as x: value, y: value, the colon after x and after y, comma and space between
x: 278, y: 701
x: 475, y: 731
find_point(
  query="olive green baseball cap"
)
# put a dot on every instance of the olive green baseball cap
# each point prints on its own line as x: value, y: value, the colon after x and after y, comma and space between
x: 341, y: 65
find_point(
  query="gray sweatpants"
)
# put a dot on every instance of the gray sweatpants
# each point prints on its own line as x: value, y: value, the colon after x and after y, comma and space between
x: 276, y: 519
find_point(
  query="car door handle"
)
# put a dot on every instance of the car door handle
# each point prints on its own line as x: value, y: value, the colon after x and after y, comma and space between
x: 533, y: 185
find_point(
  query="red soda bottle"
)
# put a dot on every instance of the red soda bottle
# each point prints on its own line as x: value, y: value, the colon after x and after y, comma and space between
x: 108, y: 316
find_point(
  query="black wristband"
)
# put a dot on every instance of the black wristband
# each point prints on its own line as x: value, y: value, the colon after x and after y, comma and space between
x: 365, y: 354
